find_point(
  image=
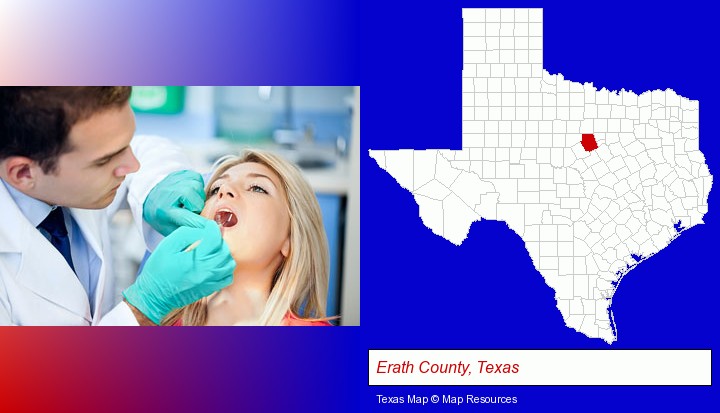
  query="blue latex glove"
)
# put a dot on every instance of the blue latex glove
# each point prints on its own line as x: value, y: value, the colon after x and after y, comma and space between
x: 175, y: 201
x: 173, y: 278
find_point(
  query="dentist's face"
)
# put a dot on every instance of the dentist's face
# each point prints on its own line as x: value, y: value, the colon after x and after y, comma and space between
x: 89, y: 175
x: 249, y: 201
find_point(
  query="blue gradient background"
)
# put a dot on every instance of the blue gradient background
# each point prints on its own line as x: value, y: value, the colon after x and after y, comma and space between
x: 418, y: 291
x: 183, y: 42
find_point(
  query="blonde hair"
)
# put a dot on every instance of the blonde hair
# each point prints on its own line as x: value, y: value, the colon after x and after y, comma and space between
x: 301, y: 281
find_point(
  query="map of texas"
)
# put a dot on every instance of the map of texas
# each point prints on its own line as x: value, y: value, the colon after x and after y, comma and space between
x: 593, y: 181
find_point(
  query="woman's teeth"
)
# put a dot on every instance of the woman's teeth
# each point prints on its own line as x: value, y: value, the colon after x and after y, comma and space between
x: 225, y: 218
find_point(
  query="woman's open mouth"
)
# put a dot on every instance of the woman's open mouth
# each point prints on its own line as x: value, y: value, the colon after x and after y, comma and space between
x: 225, y: 218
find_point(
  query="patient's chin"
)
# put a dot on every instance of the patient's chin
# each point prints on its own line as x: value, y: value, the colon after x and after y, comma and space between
x: 231, y: 247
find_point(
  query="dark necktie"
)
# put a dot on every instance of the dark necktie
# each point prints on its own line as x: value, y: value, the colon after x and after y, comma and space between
x: 54, y: 224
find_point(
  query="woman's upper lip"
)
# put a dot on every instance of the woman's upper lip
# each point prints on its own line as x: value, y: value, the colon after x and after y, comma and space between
x: 223, y: 207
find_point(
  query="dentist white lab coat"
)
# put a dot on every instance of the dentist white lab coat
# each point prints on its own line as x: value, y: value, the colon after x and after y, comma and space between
x: 37, y: 287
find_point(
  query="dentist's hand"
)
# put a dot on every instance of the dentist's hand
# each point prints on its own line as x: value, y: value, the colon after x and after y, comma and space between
x: 175, y: 202
x: 173, y: 278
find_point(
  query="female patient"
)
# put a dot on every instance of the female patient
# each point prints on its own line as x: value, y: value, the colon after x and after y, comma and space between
x: 271, y: 221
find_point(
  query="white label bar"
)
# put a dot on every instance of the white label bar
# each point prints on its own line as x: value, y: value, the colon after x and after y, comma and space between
x: 539, y: 367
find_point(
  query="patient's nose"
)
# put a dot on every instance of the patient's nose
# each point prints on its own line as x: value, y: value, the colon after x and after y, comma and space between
x: 226, y: 192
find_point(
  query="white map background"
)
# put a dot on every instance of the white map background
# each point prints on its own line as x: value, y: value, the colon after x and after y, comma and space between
x: 586, y: 218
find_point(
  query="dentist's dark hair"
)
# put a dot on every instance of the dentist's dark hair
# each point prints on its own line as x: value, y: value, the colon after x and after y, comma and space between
x: 35, y: 121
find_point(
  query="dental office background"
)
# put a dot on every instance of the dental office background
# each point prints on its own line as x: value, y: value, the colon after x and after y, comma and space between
x: 316, y: 127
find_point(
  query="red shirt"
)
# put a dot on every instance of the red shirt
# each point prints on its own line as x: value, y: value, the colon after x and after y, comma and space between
x: 293, y: 320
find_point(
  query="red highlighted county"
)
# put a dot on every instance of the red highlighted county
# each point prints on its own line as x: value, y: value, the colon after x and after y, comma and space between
x: 588, y: 142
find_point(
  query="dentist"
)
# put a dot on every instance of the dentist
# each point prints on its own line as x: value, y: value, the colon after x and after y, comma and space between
x: 68, y: 161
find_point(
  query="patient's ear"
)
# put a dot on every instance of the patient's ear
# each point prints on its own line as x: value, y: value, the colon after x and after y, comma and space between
x: 285, y: 250
x: 20, y: 172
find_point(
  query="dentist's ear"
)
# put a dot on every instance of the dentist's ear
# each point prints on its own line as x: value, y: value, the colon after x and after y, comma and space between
x: 20, y: 172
